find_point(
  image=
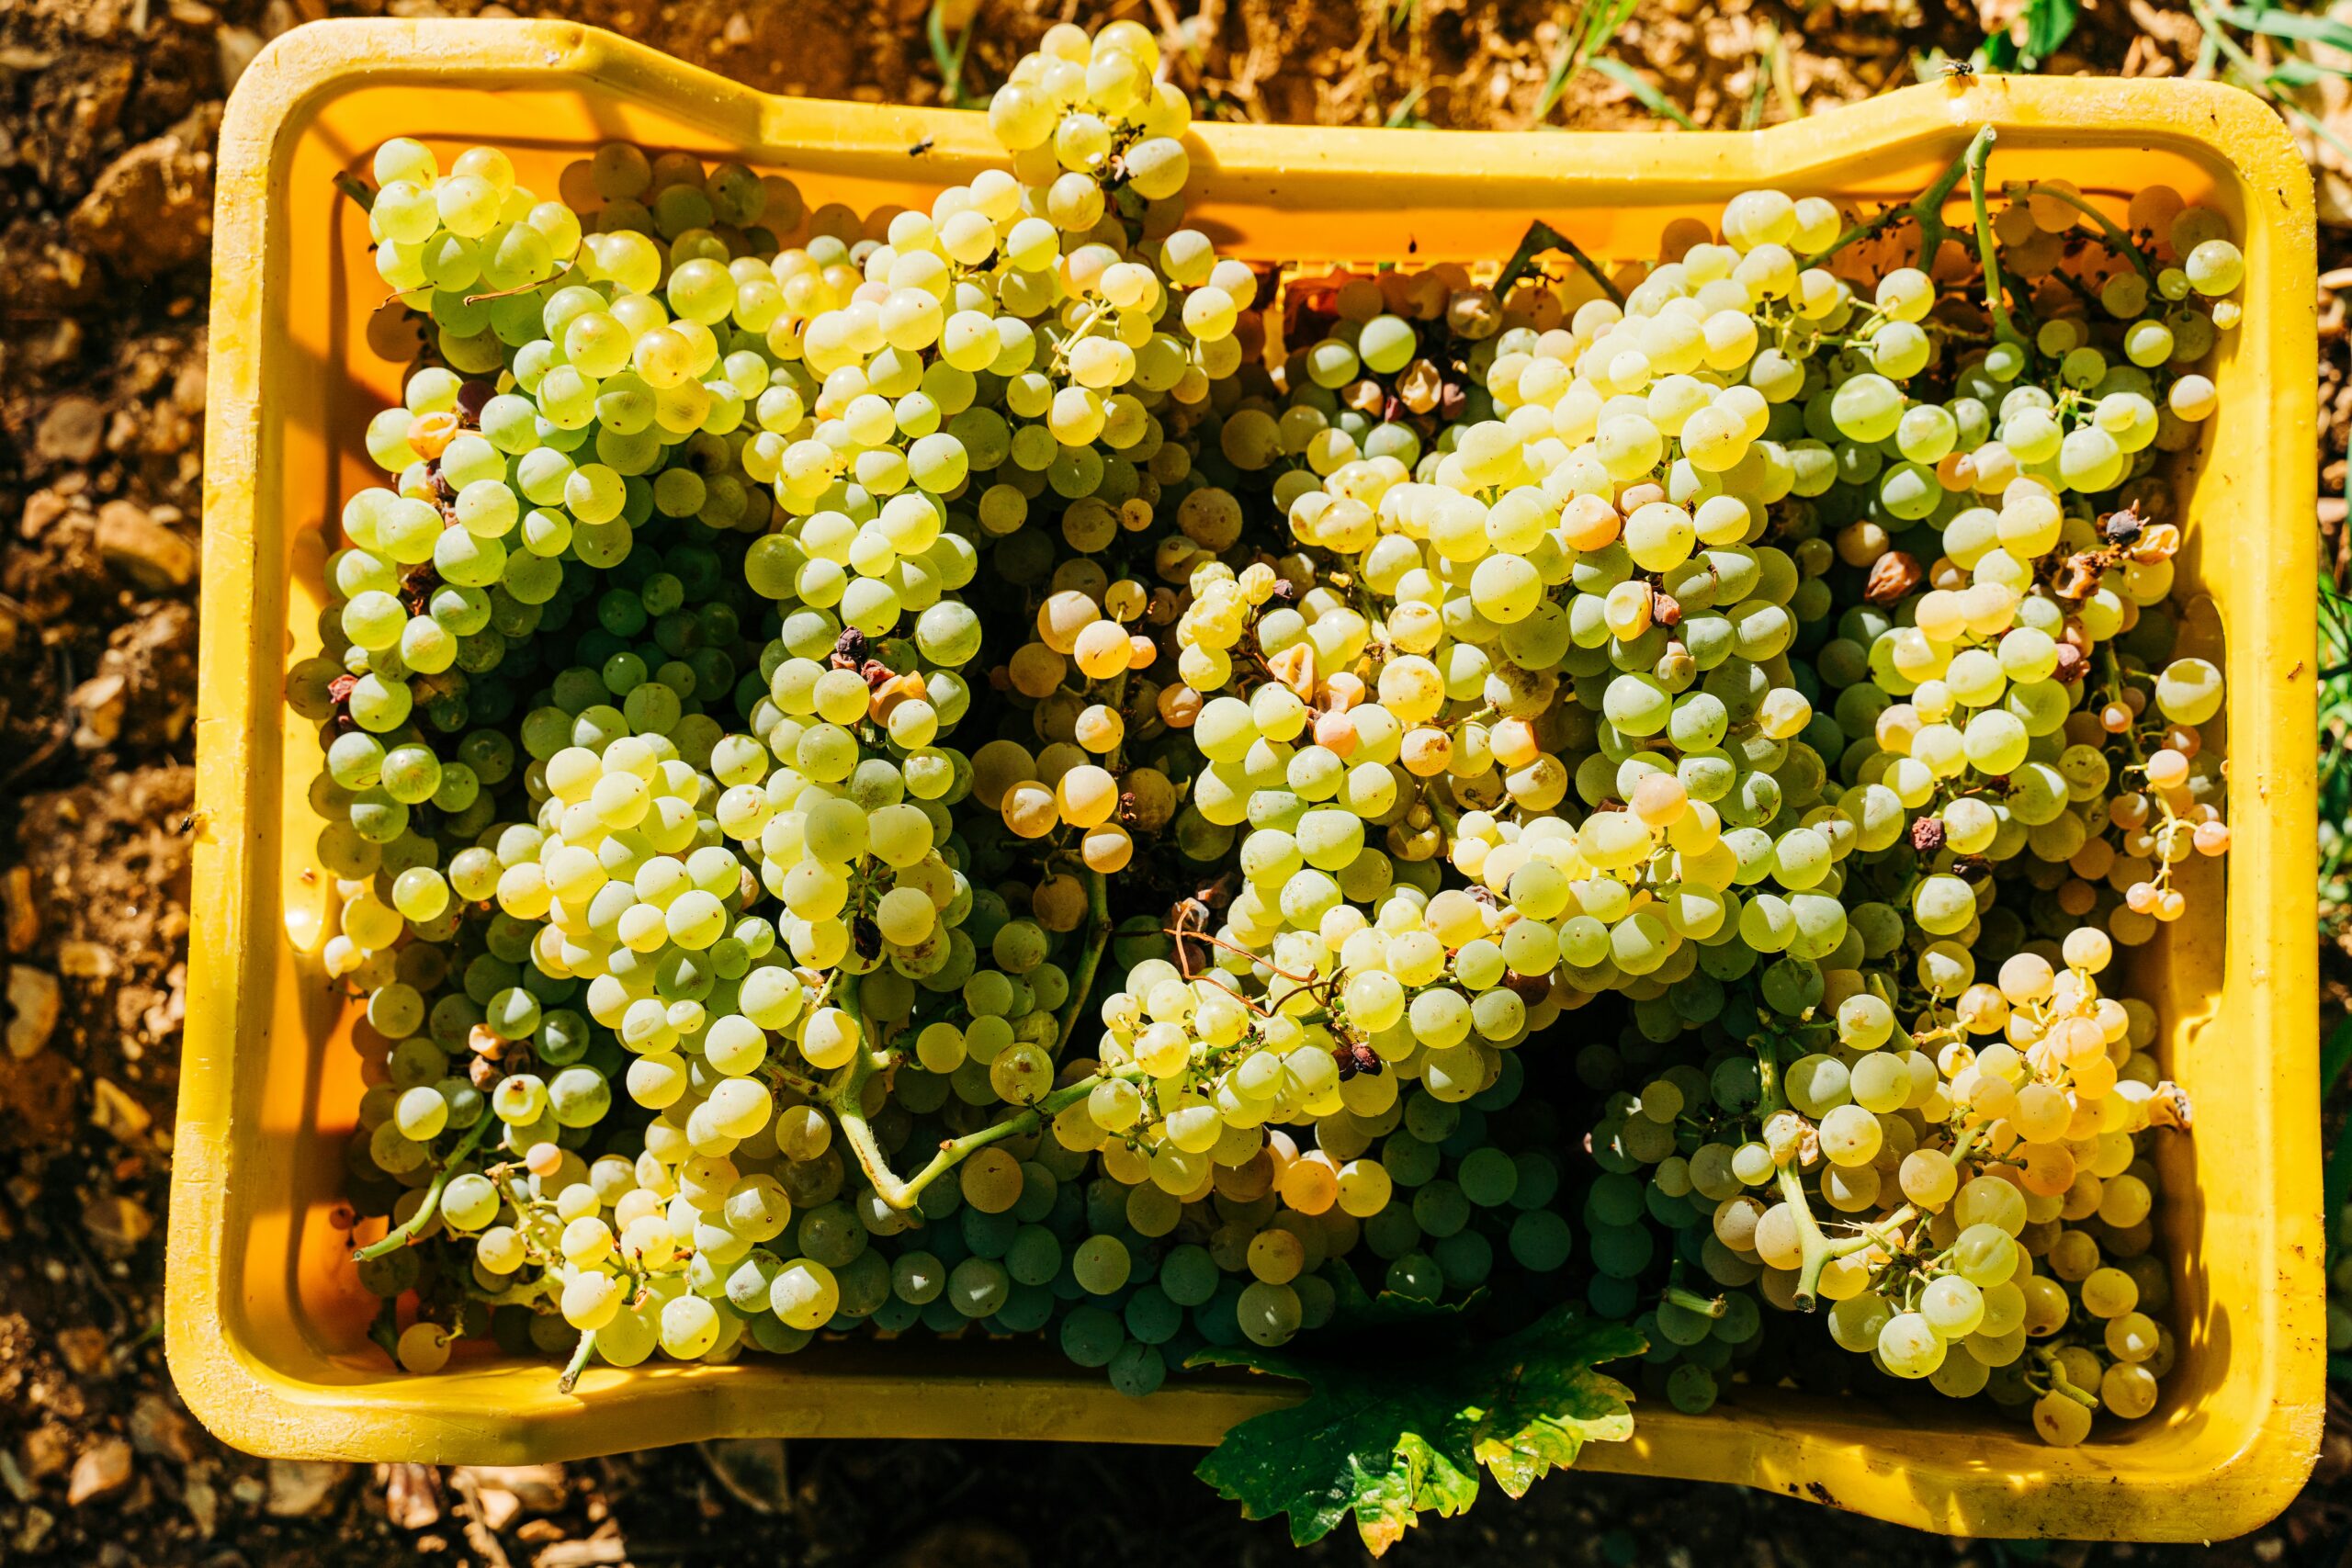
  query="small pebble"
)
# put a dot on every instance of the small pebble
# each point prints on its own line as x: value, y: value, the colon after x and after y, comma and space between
x: 104, y: 1468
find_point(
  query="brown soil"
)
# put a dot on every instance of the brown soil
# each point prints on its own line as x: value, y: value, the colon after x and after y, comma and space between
x: 108, y: 110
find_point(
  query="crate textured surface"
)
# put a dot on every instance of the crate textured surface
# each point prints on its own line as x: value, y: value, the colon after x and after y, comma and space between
x: 265, y: 1322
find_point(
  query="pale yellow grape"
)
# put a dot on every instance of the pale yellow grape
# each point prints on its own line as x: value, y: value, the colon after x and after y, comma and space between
x: 829, y: 1038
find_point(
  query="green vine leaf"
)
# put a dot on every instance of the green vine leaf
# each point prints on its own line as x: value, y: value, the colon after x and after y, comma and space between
x: 1356, y: 1310
x: 1388, y: 1432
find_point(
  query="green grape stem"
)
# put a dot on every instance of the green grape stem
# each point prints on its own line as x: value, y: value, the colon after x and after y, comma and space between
x: 1540, y: 237
x: 1818, y: 1251
x: 1771, y: 1100
x: 1061, y: 356
x: 1447, y: 817
x: 1114, y: 698
x: 1816, y: 1246
x: 2124, y: 242
x: 407, y: 1232
x: 1097, y: 938
x: 1876, y: 1234
x: 798, y: 1083
x: 1997, y: 303
x: 357, y: 189
x: 2060, y: 1383
x: 2111, y: 672
x: 1927, y: 210
x: 1691, y: 1300
x: 846, y: 1100
x: 579, y: 1362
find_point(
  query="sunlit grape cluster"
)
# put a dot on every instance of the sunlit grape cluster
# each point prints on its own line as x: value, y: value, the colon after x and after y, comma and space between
x: 987, y: 768
x: 1636, y: 527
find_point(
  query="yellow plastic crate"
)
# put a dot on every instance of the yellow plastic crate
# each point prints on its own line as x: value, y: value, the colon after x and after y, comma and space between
x: 265, y: 1320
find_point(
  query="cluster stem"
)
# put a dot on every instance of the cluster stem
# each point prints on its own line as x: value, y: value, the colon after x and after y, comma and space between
x: 579, y: 1362
x: 1097, y: 938
x: 1927, y: 210
x: 1997, y: 303
x: 406, y: 1233
x: 1540, y: 237
x: 845, y: 1098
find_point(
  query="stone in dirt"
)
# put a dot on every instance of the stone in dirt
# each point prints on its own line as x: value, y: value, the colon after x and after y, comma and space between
x: 47, y: 1449
x: 23, y: 917
x: 143, y: 549
x: 411, y: 1496
x: 34, y: 1532
x: 70, y: 431
x: 37, y: 1097
x: 118, y: 1221
x: 535, y: 1488
x: 158, y: 1429
x: 203, y: 1500
x: 99, y: 701
x: 85, y: 1350
x: 33, y: 1003
x: 301, y: 1488
x: 114, y: 1111
x: 150, y: 210
x: 104, y: 1468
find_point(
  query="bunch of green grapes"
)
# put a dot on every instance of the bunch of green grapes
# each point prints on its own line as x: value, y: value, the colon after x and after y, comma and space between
x: 649, y: 828
x: 1949, y: 1091
x: 482, y: 1026
x: 467, y: 248
x: 612, y: 870
x: 533, y: 443
x: 1797, y: 844
x: 795, y: 936
x: 1421, y: 718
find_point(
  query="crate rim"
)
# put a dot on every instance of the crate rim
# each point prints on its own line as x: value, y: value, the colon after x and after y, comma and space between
x: 254, y: 1405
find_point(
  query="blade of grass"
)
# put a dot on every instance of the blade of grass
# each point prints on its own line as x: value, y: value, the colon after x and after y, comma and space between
x: 1784, y: 77
x: 2297, y: 26
x: 2048, y: 25
x: 1599, y: 24
x: 2294, y: 71
x: 1603, y: 23
x: 1645, y: 92
x: 2272, y: 81
x: 1555, y: 83
x: 950, y: 62
x: 1765, y: 68
x: 2334, y: 715
x: 1402, y: 114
